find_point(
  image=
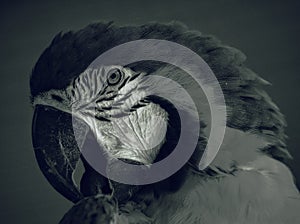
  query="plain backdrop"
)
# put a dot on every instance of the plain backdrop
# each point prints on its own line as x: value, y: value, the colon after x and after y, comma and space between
x: 266, y: 31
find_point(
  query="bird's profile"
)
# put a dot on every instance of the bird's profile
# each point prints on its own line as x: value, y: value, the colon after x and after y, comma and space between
x: 248, y: 182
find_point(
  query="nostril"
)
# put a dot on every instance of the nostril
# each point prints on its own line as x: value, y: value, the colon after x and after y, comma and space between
x: 57, y: 98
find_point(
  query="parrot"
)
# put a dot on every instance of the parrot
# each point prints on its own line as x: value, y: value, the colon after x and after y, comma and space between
x: 78, y: 109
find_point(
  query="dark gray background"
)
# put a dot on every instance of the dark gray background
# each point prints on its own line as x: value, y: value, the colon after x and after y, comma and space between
x: 267, y: 31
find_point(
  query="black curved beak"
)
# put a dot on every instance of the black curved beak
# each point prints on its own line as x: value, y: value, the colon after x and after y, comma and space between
x: 56, y: 149
x: 58, y: 153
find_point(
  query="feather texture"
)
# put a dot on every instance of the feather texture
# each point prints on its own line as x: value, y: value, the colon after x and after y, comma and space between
x: 248, y: 181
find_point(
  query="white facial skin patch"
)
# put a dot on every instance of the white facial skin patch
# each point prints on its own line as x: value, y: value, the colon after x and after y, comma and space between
x: 137, y: 136
x: 125, y: 133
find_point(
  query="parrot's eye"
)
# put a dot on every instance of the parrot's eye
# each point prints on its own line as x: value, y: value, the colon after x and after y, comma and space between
x: 114, y: 76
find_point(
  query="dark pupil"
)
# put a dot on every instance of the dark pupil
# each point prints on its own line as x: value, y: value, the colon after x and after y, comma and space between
x: 113, y: 75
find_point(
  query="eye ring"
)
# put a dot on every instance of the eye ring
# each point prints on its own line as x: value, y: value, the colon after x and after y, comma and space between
x: 114, y: 76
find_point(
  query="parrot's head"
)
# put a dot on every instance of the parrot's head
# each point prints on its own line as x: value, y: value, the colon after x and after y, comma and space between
x: 112, y: 101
